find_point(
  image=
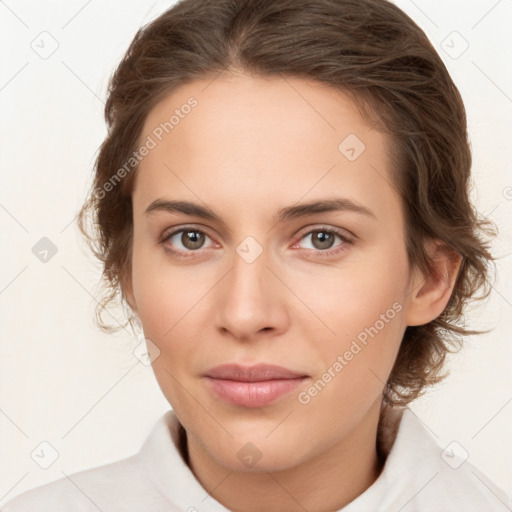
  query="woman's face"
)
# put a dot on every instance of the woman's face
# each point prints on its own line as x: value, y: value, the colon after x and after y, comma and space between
x: 231, y: 267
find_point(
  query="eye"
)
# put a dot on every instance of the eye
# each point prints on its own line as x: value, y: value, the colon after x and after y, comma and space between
x: 323, y: 240
x: 185, y: 240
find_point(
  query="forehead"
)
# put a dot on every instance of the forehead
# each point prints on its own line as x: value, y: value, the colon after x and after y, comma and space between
x: 264, y: 139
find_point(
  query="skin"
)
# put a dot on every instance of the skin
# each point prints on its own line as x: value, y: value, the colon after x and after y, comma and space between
x: 249, y: 148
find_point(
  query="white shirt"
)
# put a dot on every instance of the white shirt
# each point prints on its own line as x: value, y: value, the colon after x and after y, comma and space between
x: 415, y: 478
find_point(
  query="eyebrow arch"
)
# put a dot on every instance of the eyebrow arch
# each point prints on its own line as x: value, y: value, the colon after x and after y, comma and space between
x: 290, y: 212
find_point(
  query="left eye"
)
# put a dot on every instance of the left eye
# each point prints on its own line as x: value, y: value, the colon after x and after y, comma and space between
x: 323, y: 239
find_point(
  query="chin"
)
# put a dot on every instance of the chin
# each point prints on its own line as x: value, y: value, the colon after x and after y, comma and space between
x: 256, y: 454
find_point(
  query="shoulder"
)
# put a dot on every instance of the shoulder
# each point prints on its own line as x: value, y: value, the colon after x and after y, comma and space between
x: 468, y: 488
x: 114, y: 487
x: 421, y: 475
x: 448, y: 486
x: 124, y: 485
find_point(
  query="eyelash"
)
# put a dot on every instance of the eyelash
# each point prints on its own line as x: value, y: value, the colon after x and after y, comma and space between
x: 328, y: 252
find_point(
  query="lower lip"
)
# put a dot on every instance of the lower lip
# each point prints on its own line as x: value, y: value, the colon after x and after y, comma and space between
x: 253, y: 394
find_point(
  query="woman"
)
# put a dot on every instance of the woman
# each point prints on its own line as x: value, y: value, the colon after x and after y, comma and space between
x: 282, y: 202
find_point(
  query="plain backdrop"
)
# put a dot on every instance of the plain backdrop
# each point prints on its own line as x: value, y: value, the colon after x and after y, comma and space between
x: 63, y: 381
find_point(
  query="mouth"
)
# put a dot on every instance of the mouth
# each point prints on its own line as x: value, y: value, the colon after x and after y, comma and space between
x: 253, y: 386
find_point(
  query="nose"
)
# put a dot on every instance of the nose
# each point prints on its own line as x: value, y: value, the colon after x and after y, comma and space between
x: 250, y: 302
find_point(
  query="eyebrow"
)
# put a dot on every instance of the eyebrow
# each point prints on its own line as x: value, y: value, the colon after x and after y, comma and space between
x: 288, y: 213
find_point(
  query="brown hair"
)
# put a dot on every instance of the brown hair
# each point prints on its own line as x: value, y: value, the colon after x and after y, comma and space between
x: 370, y: 50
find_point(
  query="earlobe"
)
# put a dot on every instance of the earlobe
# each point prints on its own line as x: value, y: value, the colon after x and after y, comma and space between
x: 431, y: 292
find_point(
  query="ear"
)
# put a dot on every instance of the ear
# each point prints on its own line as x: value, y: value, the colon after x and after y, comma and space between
x: 431, y: 292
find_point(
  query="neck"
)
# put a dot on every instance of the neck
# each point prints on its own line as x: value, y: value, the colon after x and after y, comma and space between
x: 328, y: 481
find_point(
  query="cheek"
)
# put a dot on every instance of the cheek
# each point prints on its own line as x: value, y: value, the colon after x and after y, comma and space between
x: 164, y: 293
x: 355, y: 367
x: 357, y: 297
x: 365, y: 308
x: 167, y: 304
x: 170, y: 300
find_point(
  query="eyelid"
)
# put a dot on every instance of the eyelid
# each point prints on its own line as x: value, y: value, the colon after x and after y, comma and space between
x: 308, y: 230
x: 335, y: 251
x: 168, y: 233
x: 343, y: 233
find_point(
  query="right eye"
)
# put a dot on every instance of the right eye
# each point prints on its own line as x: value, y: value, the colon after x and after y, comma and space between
x: 185, y: 240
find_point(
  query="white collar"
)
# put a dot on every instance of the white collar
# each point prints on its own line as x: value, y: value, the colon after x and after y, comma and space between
x: 414, y: 476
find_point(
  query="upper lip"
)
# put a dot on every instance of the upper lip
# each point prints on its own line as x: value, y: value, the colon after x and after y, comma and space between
x: 259, y: 372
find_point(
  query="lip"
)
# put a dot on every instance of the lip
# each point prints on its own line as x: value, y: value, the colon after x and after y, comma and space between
x: 257, y: 373
x: 252, y: 386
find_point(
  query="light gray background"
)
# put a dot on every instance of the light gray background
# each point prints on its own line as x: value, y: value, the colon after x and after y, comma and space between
x: 62, y: 380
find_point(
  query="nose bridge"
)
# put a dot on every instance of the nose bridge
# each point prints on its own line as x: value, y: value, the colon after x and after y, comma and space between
x: 249, y: 277
x: 249, y: 300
